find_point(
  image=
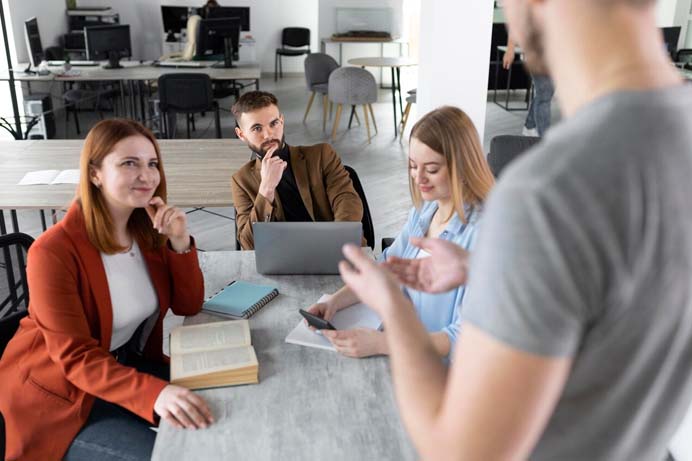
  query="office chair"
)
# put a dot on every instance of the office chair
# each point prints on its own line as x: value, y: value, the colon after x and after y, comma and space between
x: 186, y: 93
x: 295, y: 38
x: 684, y: 56
x: 368, y: 227
x: 505, y: 148
x: 14, y: 292
x: 318, y: 68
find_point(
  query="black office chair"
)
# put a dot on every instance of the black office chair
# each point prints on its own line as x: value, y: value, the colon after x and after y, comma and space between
x: 368, y: 227
x: 188, y: 94
x: 505, y: 148
x: 684, y: 57
x: 14, y: 293
x: 295, y: 38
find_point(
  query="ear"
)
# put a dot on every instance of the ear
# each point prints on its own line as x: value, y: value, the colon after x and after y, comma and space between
x: 94, y: 176
x: 240, y: 135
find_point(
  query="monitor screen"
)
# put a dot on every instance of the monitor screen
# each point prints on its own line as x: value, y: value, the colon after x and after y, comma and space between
x: 33, y: 41
x: 174, y: 18
x: 241, y: 12
x: 103, y: 40
x: 211, y: 35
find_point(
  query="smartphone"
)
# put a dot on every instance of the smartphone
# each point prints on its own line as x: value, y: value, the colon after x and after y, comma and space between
x: 315, y: 321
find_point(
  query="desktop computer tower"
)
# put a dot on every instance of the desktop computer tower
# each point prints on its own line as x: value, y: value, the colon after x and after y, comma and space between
x: 38, y: 104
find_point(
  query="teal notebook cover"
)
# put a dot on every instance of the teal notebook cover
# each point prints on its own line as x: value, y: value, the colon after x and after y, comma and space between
x: 240, y: 299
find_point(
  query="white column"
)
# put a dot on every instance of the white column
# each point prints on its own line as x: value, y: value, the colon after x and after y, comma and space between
x: 455, y: 56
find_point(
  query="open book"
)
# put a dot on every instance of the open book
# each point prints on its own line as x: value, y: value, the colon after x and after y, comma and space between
x: 356, y: 316
x: 213, y: 355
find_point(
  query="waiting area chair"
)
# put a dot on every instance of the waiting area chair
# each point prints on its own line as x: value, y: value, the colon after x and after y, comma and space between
x: 295, y: 41
x: 318, y: 68
x: 188, y: 94
x: 353, y: 86
x: 505, y: 148
x: 410, y: 101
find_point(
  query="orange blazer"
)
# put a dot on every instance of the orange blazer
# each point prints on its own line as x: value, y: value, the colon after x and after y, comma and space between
x: 59, y: 359
x: 324, y: 184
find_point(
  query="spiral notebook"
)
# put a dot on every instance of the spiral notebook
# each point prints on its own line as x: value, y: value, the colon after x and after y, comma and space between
x: 240, y: 299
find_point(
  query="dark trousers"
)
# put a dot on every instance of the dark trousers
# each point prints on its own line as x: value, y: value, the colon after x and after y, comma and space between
x: 112, y: 432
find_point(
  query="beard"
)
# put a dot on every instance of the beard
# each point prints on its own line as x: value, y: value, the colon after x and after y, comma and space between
x: 534, y: 49
x: 263, y: 148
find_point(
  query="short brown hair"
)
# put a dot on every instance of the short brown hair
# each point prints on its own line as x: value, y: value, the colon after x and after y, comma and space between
x: 100, y: 142
x: 252, y: 101
x: 451, y: 133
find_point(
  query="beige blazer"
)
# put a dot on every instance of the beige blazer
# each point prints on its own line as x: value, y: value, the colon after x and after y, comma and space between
x: 324, y: 184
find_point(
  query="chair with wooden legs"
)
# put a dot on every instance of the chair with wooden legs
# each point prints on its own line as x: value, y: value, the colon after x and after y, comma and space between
x: 353, y: 86
x: 318, y: 67
x: 410, y: 100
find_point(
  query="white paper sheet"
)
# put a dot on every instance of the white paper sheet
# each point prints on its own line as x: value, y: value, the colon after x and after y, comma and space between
x: 33, y: 178
x: 355, y: 316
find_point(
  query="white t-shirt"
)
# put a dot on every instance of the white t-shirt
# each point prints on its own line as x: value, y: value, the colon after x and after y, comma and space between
x: 132, y: 294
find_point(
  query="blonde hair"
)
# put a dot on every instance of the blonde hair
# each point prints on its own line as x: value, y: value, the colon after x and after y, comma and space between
x: 451, y: 133
x: 100, y: 142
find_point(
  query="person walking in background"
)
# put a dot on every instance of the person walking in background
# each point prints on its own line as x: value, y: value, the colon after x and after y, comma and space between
x: 538, y: 118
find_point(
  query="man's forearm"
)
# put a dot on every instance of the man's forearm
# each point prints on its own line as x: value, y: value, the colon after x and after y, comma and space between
x: 417, y: 370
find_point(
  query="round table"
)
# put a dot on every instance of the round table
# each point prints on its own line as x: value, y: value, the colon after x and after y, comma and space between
x: 395, y: 64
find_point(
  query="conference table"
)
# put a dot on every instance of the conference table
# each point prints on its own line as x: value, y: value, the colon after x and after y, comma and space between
x: 132, y: 78
x: 198, y: 172
x: 395, y: 64
x: 310, y: 404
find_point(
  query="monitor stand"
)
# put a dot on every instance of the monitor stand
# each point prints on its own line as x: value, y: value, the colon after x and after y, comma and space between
x: 227, y: 54
x: 113, y: 61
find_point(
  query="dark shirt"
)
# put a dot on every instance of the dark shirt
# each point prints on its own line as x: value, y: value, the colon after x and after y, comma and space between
x: 288, y: 192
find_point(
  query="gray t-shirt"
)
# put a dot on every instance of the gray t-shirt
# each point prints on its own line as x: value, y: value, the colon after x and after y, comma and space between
x: 586, y: 252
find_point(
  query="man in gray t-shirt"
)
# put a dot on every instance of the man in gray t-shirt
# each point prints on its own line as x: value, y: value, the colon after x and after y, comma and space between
x: 577, y: 334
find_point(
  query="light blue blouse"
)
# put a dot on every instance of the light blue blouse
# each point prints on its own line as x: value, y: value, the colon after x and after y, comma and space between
x: 438, y: 312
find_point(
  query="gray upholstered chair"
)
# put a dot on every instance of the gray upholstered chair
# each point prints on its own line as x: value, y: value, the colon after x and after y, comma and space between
x: 353, y: 86
x: 410, y: 100
x: 318, y: 67
x: 505, y: 148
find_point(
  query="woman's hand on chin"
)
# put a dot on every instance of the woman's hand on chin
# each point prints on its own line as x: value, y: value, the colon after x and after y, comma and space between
x: 171, y: 222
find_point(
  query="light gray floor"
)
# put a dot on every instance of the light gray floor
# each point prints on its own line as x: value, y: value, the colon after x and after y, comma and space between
x: 381, y: 165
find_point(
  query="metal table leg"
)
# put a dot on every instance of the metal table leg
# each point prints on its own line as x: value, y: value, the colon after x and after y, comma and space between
x: 394, y: 102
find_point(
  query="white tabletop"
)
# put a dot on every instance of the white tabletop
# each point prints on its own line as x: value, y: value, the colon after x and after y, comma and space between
x: 384, y: 61
x: 198, y: 171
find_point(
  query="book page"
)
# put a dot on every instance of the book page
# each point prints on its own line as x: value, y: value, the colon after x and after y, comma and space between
x: 67, y: 177
x: 210, y: 336
x: 200, y: 363
x: 33, y: 178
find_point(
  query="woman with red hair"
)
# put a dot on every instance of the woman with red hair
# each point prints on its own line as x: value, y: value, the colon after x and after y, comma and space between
x: 85, y: 376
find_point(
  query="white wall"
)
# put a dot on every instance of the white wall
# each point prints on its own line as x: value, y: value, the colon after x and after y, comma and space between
x: 674, y: 13
x: 52, y: 23
x: 454, y: 67
x: 267, y: 19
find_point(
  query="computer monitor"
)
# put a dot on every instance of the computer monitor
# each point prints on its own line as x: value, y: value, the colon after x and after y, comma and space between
x: 671, y: 35
x: 108, y: 42
x: 219, y: 36
x: 33, y: 42
x: 174, y: 18
x: 241, y: 12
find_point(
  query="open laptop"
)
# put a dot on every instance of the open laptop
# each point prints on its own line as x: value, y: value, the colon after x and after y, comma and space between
x: 302, y: 247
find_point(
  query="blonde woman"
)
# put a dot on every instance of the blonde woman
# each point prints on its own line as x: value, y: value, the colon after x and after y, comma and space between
x: 449, y: 181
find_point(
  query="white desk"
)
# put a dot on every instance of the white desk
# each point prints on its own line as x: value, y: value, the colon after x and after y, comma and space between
x: 133, y: 75
x: 310, y: 404
x: 198, y: 172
